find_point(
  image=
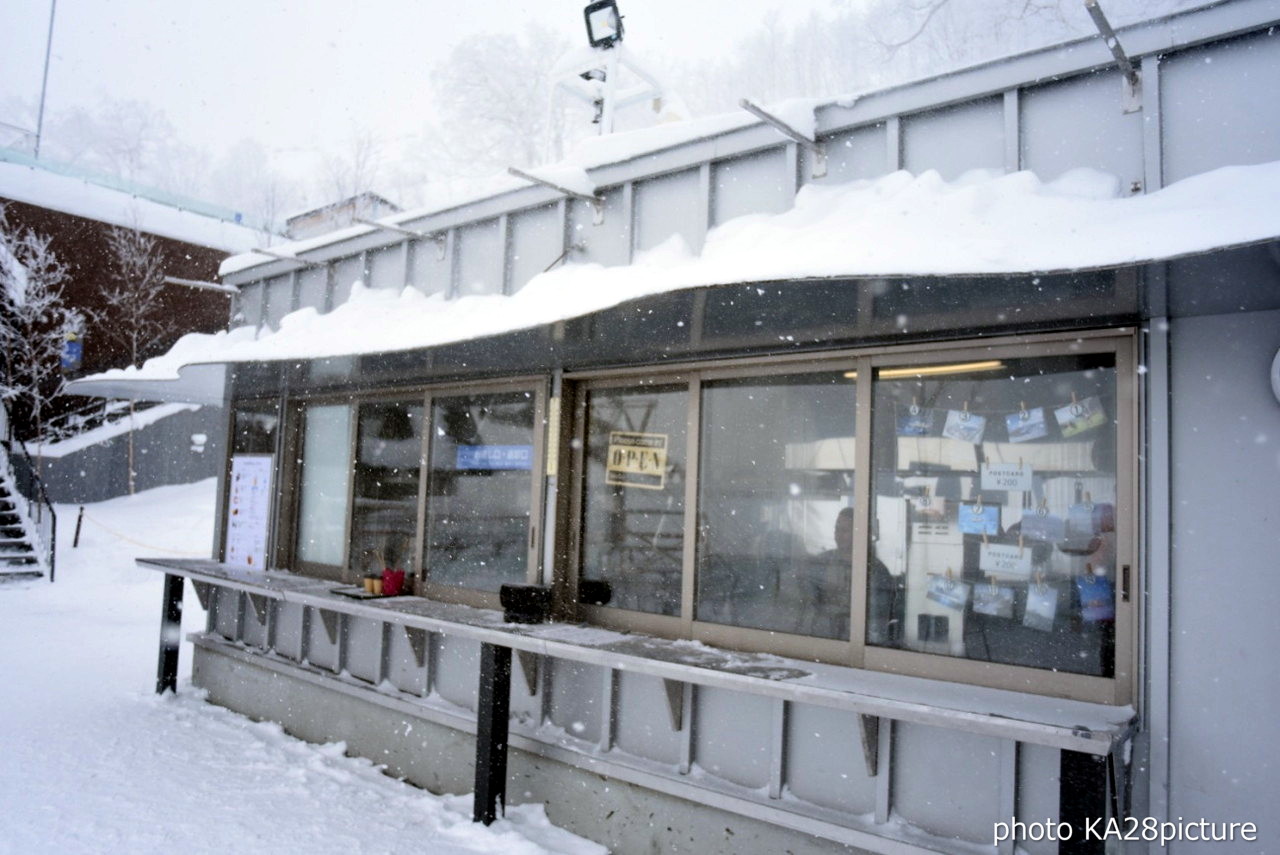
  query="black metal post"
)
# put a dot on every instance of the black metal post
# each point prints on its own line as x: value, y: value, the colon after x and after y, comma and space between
x: 1082, y: 799
x: 492, y: 718
x: 170, y: 634
x: 75, y: 541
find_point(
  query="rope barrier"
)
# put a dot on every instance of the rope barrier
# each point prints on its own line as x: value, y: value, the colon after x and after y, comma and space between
x: 127, y: 539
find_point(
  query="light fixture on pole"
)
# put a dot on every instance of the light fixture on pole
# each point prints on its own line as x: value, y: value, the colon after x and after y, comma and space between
x: 604, y: 23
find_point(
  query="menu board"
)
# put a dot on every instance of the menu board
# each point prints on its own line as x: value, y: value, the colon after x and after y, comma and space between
x: 249, y: 510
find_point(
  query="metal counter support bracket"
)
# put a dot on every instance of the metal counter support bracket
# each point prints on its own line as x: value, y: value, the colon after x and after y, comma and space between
x: 259, y: 604
x: 417, y: 643
x: 675, y: 702
x: 330, y: 621
x: 529, y: 667
x: 170, y: 634
x: 203, y: 591
x: 493, y: 710
x: 869, y: 729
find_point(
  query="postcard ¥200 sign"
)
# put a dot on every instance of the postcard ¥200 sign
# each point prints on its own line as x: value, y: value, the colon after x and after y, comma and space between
x: 637, y: 460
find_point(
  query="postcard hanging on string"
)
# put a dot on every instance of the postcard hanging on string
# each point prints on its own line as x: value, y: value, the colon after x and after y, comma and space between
x: 915, y: 421
x: 1043, y: 526
x: 994, y: 600
x: 1026, y: 425
x: 1097, y: 598
x: 964, y: 426
x: 1042, y: 607
x: 979, y: 518
x: 1006, y: 476
x: 1080, y: 416
x: 947, y: 592
x: 1004, y: 559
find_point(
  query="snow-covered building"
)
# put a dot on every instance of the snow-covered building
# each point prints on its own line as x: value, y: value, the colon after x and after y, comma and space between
x: 893, y: 479
x: 76, y: 209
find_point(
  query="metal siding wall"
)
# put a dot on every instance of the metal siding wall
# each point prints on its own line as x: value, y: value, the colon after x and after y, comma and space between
x: 644, y: 720
x: 669, y: 205
x: 1079, y: 122
x: 945, y: 781
x: 1219, y: 105
x: 346, y: 272
x: 403, y: 670
x: 825, y: 765
x: 480, y: 259
x: 364, y: 648
x: 226, y: 614
x: 457, y: 665
x: 249, y: 305
x: 320, y: 651
x: 956, y: 139
x: 254, y: 632
x: 754, y: 184
x: 537, y: 239
x: 279, y: 299
x: 1038, y: 769
x: 732, y: 736
x: 575, y: 699
x: 1225, y: 430
x: 608, y: 243
x: 289, y: 630
x: 428, y: 271
x: 313, y: 286
x: 386, y: 267
x: 859, y: 153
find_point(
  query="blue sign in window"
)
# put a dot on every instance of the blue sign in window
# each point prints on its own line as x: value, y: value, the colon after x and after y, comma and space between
x: 495, y: 457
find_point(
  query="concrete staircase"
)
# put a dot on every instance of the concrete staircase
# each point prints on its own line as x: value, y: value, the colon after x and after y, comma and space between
x: 19, y: 556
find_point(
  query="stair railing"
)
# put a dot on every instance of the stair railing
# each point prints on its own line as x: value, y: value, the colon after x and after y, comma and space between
x: 30, y: 497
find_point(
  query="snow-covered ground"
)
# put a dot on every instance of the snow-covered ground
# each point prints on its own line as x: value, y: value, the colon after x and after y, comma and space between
x: 91, y: 761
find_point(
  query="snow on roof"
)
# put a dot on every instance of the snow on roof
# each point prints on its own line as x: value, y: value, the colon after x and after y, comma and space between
x: 35, y: 185
x: 898, y: 225
x: 590, y: 153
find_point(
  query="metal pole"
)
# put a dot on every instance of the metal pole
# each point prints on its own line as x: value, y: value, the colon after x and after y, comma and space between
x: 493, y: 710
x: 170, y: 634
x: 75, y: 541
x: 44, y: 83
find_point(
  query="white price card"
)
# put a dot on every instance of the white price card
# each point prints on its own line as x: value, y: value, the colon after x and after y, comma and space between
x: 999, y: 559
x: 249, y: 510
x: 1006, y: 476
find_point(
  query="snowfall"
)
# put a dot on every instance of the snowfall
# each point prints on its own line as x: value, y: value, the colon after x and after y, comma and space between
x: 95, y: 762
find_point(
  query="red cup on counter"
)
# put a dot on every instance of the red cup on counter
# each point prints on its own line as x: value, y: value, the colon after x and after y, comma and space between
x: 392, y: 582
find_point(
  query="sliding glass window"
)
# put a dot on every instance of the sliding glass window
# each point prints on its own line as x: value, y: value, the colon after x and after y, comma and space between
x: 480, y: 490
x: 385, y: 493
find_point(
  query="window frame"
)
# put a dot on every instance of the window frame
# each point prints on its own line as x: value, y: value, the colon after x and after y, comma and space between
x: 853, y: 651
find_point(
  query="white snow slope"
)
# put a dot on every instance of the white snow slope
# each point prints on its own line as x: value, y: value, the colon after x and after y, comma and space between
x: 91, y: 761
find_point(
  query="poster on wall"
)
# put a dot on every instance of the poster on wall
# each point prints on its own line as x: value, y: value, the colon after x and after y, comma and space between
x: 249, y: 510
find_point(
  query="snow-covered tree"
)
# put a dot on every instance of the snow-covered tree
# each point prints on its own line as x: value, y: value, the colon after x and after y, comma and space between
x: 134, y: 300
x: 34, y: 319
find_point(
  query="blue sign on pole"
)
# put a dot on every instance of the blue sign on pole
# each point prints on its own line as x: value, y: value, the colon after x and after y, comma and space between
x: 72, y: 352
x: 495, y: 457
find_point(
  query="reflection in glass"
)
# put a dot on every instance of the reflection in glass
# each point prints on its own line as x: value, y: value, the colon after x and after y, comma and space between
x: 633, y: 509
x: 994, y: 489
x: 479, y: 490
x: 384, y: 519
x: 322, y: 509
x: 254, y: 431
x: 775, y: 493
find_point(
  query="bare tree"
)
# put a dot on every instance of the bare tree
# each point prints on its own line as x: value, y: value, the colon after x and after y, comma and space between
x: 134, y: 301
x: 34, y: 319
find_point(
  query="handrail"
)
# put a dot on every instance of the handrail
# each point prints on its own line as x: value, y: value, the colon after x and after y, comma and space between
x: 39, y: 510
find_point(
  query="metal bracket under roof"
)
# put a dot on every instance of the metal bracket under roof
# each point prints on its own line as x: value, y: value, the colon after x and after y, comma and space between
x: 438, y: 238
x: 201, y: 284
x: 815, y: 148
x: 1132, y: 98
x: 596, y: 203
x: 305, y: 262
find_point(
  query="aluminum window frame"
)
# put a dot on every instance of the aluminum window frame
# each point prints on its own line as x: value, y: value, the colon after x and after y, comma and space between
x: 854, y: 652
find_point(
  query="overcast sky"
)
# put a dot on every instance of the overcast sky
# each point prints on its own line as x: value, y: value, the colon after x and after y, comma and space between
x: 295, y: 74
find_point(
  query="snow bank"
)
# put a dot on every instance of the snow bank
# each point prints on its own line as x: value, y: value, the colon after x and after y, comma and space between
x: 898, y: 225
x: 94, y: 762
